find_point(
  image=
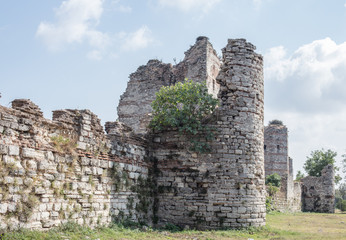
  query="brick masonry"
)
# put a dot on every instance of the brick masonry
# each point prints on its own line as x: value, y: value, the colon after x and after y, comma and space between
x: 68, y: 169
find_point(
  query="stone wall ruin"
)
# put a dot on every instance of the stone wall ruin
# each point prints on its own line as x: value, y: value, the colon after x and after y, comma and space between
x: 314, y: 194
x: 318, y: 193
x: 277, y: 161
x: 54, y: 171
x: 67, y: 169
x: 70, y: 169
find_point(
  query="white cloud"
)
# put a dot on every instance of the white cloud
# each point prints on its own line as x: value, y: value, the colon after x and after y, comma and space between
x: 76, y: 23
x: 306, y: 90
x: 188, y: 5
x: 138, y: 39
x: 94, y: 55
x: 120, y: 7
x: 315, y: 75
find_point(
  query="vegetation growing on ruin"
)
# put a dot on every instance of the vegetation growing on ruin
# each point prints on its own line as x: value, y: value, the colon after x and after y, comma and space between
x: 276, y: 122
x: 318, y: 159
x: 185, y: 106
x: 273, y: 183
x: 63, y: 144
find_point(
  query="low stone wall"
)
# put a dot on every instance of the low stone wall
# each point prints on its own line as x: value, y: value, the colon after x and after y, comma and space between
x: 67, y: 169
x: 284, y: 202
x: 318, y: 194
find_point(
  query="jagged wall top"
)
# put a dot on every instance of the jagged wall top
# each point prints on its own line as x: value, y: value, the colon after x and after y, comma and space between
x: 201, y: 64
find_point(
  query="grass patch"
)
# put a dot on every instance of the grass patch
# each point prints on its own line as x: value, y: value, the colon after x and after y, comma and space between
x: 279, y: 227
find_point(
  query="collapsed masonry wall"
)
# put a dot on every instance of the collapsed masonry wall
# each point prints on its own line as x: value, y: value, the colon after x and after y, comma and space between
x: 318, y: 193
x: 68, y: 169
x: 224, y: 188
x: 201, y: 64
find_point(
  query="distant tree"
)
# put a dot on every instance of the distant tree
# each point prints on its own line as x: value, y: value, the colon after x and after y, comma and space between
x: 275, y: 122
x: 299, y: 175
x: 341, y: 191
x: 343, y: 163
x: 318, y: 160
x: 341, y: 204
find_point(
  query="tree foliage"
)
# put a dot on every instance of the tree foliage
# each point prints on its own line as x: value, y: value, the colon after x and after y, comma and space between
x: 299, y: 175
x: 318, y: 160
x: 185, y: 106
x: 274, y: 179
x: 273, y: 183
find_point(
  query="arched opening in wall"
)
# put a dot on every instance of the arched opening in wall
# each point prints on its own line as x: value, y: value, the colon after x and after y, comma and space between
x: 265, y: 147
x: 278, y: 148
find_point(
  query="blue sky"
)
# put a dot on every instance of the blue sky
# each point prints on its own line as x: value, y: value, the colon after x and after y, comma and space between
x: 79, y: 54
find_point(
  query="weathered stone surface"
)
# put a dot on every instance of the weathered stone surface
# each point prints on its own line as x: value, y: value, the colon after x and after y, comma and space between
x: 44, y: 167
x: 318, y: 193
x: 214, y: 190
x: 68, y: 168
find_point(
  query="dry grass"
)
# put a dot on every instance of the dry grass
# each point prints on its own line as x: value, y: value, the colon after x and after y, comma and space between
x: 310, y: 225
x: 279, y: 227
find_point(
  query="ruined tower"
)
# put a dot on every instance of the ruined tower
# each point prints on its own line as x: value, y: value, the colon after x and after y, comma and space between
x: 276, y: 149
x: 224, y: 188
x: 201, y: 64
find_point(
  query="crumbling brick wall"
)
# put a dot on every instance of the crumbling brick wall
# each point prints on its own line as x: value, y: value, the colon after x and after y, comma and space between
x: 318, y: 193
x: 68, y: 170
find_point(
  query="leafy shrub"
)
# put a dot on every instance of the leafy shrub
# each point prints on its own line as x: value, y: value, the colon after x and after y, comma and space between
x: 274, y: 179
x: 185, y: 106
x: 273, y: 183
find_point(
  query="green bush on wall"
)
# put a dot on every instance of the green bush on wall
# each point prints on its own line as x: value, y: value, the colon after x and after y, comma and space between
x: 185, y: 106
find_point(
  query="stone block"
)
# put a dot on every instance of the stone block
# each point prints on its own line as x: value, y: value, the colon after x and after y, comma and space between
x: 13, y: 150
x: 3, y: 208
x: 45, y: 215
x: 28, y: 153
x: 31, y: 164
x: 3, y: 149
x: 40, y: 190
x: 43, y: 165
x: 85, y: 161
x: 81, y: 145
x: 241, y: 209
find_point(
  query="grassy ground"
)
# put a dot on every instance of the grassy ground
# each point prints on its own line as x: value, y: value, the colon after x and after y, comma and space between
x: 279, y: 227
